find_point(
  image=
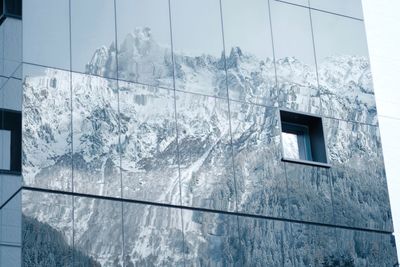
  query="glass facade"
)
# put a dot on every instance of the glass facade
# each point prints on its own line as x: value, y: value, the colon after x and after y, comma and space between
x: 151, y: 136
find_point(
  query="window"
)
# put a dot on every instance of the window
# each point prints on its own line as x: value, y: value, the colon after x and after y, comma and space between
x: 10, y: 8
x: 10, y: 140
x: 303, y: 139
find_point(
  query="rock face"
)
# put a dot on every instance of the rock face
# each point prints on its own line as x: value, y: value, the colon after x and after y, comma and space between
x: 194, y: 147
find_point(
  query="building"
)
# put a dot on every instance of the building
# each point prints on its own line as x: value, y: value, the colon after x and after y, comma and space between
x: 190, y: 133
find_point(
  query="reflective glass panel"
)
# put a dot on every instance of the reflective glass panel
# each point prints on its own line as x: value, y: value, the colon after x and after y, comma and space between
x: 46, y: 33
x: 309, y: 193
x: 46, y: 229
x: 198, y: 46
x: 5, y: 144
x: 93, y: 37
x: 148, y: 144
x: 313, y: 246
x: 205, y: 152
x: 46, y: 124
x: 346, y: 88
x: 9, y: 184
x: 360, y: 195
x: 352, y: 8
x: 249, y: 53
x: 211, y: 239
x: 95, y: 135
x: 294, y: 57
x: 97, y: 232
x: 264, y: 242
x: 10, y: 222
x: 152, y: 236
x: 12, y: 39
x: 144, y: 42
x: 361, y: 248
x: 259, y: 171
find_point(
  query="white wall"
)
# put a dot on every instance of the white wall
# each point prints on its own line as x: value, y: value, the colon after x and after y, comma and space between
x: 382, y: 20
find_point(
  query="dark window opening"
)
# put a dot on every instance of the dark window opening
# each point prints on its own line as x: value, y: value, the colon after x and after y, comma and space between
x: 303, y: 139
x: 10, y: 8
x: 10, y: 140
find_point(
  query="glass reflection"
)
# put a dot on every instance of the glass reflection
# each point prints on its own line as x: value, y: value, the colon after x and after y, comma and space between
x: 264, y: 242
x: 249, y: 53
x: 205, y: 152
x: 46, y: 124
x: 359, y: 188
x: 46, y: 33
x: 199, y: 65
x: 47, y: 229
x: 10, y: 222
x: 93, y: 37
x: 9, y: 184
x: 97, y: 232
x: 211, y: 239
x: 95, y: 135
x: 148, y: 144
x: 144, y: 40
x: 309, y: 193
x: 12, y: 39
x: 345, y: 80
x: 152, y: 236
x: 259, y: 171
x: 294, y: 57
x: 364, y: 248
x: 314, y: 246
x: 352, y: 8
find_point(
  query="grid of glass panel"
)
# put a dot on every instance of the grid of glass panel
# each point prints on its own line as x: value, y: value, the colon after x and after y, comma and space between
x: 178, y: 104
x: 10, y: 110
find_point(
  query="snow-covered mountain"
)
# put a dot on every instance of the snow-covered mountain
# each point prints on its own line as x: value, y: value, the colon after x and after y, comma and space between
x: 152, y: 143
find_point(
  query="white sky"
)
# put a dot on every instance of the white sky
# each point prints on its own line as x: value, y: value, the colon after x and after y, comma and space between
x: 382, y: 21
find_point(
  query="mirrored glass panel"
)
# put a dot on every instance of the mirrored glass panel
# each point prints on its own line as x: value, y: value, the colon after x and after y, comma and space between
x: 97, y: 232
x: 259, y: 172
x: 10, y: 222
x: 9, y: 184
x: 152, y: 236
x: 93, y: 37
x: 148, y: 144
x: 9, y: 68
x: 264, y: 242
x: 10, y: 256
x: 205, y: 152
x: 198, y: 46
x: 46, y: 33
x: 5, y: 145
x: 46, y: 229
x: 211, y: 239
x: 12, y: 39
x: 345, y: 80
x: 12, y: 95
x: 144, y: 42
x: 46, y: 136
x: 359, y: 188
x: 249, y: 53
x: 309, y: 193
x: 294, y: 57
x: 365, y: 248
x: 314, y: 246
x: 297, y: 2
x: 352, y: 8
x: 95, y: 135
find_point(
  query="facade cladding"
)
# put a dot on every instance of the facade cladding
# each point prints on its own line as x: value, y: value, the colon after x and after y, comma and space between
x: 152, y: 135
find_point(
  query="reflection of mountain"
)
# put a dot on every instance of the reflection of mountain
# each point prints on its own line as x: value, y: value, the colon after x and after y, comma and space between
x: 148, y: 139
x: 53, y: 249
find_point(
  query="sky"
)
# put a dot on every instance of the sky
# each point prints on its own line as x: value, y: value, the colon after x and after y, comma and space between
x: 382, y: 23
